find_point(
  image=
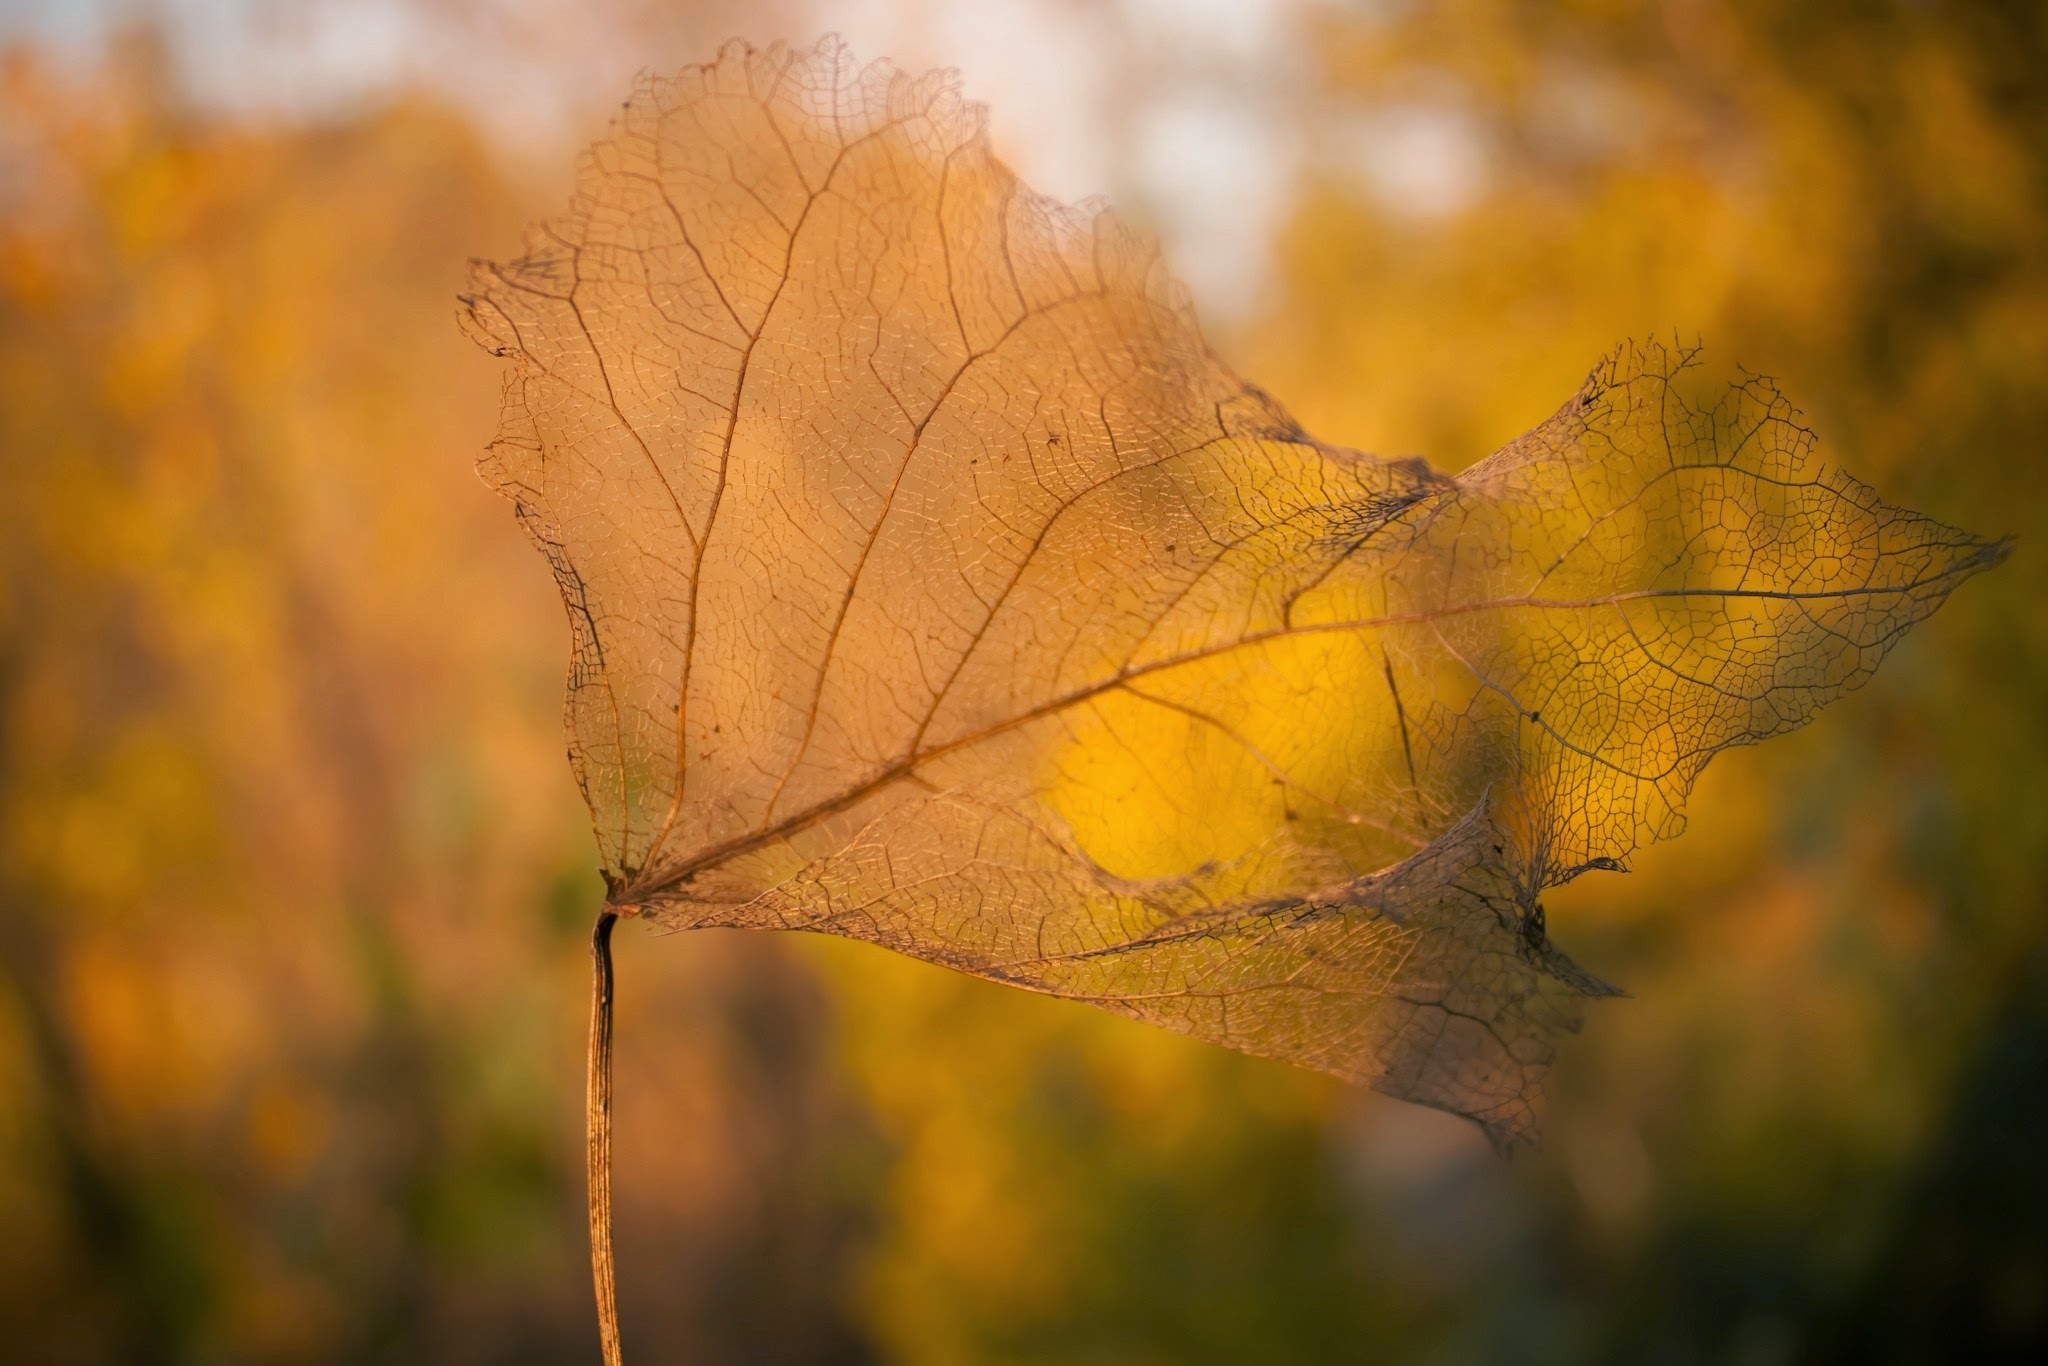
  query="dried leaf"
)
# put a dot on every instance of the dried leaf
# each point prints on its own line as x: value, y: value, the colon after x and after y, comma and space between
x: 933, y: 584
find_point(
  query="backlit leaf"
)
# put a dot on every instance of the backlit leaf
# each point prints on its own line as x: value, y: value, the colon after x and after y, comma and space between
x: 933, y: 584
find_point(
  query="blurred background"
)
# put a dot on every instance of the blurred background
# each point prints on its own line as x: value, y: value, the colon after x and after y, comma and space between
x: 294, y: 884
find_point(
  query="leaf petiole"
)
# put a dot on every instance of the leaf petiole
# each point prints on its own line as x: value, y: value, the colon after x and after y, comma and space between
x: 597, y: 1118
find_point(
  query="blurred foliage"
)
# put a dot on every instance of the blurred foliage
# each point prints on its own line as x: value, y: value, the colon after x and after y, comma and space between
x: 293, y: 882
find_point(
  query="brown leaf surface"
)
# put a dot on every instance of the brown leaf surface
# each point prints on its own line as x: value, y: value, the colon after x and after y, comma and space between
x: 933, y: 584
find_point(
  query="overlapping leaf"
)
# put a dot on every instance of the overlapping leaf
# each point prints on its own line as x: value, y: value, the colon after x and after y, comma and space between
x: 933, y: 584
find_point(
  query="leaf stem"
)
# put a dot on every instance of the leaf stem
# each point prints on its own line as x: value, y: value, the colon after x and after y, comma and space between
x: 597, y: 1118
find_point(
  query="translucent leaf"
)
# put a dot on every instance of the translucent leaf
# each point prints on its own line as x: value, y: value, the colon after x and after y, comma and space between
x: 933, y: 584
